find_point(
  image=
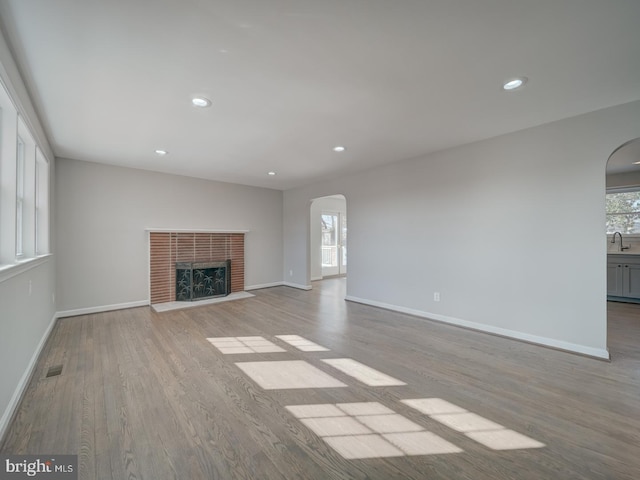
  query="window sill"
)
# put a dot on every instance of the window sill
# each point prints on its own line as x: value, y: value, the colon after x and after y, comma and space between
x: 9, y: 271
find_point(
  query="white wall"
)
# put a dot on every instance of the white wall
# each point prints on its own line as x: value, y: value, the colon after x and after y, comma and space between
x: 493, y: 226
x: 25, y: 318
x: 103, y: 212
x: 320, y: 205
x: 315, y: 240
x: 25, y: 321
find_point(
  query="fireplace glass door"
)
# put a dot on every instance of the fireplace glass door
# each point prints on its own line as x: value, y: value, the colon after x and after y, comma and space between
x: 199, y: 280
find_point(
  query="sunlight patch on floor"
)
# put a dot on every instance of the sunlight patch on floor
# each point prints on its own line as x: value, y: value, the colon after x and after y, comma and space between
x: 235, y: 345
x: 359, y: 430
x: 477, y: 428
x: 369, y: 430
x: 302, y: 343
x: 288, y: 375
x: 363, y: 373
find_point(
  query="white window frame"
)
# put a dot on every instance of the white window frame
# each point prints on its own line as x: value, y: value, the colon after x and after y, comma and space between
x: 8, y: 149
x: 24, y: 193
x: 42, y: 204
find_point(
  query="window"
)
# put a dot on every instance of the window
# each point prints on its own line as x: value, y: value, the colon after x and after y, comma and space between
x: 24, y: 191
x: 623, y: 212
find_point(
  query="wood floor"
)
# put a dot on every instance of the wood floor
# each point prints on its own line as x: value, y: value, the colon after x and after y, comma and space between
x: 144, y: 395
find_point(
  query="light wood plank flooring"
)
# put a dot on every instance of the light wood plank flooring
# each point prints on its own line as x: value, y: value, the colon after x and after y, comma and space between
x: 144, y: 395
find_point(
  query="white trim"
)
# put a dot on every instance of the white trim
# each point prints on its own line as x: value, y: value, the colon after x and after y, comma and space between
x: 103, y: 308
x: 544, y: 341
x: 297, y: 285
x: 24, y: 382
x: 263, y: 285
x: 315, y: 279
x: 9, y: 271
x: 193, y: 230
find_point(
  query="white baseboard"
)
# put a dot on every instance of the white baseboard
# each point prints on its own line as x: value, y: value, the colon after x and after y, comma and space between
x: 263, y: 285
x: 297, y: 285
x: 503, y: 332
x: 315, y: 279
x: 24, y: 382
x: 103, y: 308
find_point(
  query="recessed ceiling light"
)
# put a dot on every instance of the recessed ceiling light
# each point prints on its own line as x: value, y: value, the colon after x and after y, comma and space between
x: 514, y: 83
x: 161, y: 152
x: 271, y: 173
x: 201, y: 102
x: 636, y: 163
x: 339, y: 148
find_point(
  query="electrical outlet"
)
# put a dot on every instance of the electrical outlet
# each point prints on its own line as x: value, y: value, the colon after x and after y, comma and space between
x: 291, y: 273
x: 436, y: 296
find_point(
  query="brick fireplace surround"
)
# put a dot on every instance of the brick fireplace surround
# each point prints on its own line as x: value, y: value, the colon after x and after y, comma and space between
x: 166, y: 248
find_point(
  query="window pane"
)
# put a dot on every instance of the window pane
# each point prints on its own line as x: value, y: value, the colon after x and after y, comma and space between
x: 623, y: 212
x: 20, y: 198
x: 343, y: 238
x: 329, y: 240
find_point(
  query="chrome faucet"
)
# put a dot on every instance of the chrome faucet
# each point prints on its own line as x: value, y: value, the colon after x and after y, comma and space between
x: 613, y: 240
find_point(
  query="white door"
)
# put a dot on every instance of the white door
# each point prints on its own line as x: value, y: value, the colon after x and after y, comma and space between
x: 334, y: 243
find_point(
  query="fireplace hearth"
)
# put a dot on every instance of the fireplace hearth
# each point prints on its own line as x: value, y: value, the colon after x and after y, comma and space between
x: 200, y: 280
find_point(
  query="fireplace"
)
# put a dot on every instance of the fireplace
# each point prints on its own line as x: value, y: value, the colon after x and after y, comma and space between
x: 199, y: 280
x: 168, y: 248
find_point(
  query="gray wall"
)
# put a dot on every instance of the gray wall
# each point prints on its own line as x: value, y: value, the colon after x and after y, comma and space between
x: 103, y: 212
x: 508, y: 230
x: 24, y: 322
x: 25, y: 318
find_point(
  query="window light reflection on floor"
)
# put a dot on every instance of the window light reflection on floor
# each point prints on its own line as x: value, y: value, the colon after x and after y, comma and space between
x: 294, y: 374
x: 302, y: 343
x: 363, y: 373
x: 369, y: 430
x: 475, y: 427
x: 235, y: 345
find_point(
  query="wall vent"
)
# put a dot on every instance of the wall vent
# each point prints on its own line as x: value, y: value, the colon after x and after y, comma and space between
x: 54, y: 371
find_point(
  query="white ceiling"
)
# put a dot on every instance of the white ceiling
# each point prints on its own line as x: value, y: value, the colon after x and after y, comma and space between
x: 289, y: 79
x: 624, y: 158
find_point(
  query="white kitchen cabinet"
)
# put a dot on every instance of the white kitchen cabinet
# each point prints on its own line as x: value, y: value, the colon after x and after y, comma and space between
x: 623, y: 277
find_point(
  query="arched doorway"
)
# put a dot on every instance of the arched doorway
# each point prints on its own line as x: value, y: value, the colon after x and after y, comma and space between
x: 622, y: 205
